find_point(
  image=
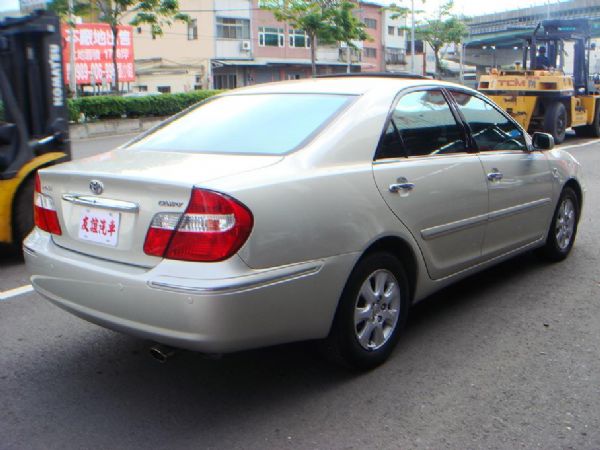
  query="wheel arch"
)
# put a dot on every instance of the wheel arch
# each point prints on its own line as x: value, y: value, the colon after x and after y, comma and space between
x: 402, y: 250
x: 574, y: 184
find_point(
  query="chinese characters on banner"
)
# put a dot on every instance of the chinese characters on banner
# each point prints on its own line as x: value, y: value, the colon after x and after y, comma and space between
x: 93, y: 53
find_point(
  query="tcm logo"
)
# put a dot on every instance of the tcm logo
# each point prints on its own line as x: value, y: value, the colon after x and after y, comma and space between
x: 512, y: 83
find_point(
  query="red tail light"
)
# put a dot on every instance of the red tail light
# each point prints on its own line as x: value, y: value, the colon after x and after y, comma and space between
x: 213, y: 227
x: 44, y: 212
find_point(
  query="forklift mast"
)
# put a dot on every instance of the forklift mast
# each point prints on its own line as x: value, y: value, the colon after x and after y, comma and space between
x: 32, y: 91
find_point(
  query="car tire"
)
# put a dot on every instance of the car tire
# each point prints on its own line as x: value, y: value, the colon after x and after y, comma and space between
x: 23, y: 212
x: 371, y: 313
x: 563, y: 228
x: 555, y: 121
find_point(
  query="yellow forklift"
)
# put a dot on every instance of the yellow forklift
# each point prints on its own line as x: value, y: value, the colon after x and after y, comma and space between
x: 34, y: 129
x: 539, y: 95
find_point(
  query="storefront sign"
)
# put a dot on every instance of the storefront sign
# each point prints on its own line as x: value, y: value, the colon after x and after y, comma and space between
x: 94, y: 50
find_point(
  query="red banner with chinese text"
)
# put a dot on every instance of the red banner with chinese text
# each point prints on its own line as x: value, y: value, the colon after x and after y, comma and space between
x: 93, y: 53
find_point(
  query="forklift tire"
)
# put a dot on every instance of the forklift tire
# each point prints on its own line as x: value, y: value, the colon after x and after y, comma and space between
x: 23, y: 212
x: 592, y: 130
x: 555, y: 121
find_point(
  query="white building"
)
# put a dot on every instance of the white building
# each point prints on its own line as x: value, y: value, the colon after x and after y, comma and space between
x: 394, y: 41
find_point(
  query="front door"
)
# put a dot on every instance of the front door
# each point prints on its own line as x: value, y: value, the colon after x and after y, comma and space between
x: 431, y: 183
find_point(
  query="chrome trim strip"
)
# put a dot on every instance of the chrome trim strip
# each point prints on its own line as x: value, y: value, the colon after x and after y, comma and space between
x: 240, y: 286
x: 392, y: 160
x: 459, y: 225
x: 99, y: 202
x: 502, y: 213
x: 447, y: 228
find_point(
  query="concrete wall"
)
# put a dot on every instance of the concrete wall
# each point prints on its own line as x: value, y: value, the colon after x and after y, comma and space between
x: 232, y: 48
x: 262, y: 18
x: 174, y: 44
x: 178, y: 82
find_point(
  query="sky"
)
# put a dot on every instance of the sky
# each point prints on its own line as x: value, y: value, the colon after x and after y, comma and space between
x: 466, y: 7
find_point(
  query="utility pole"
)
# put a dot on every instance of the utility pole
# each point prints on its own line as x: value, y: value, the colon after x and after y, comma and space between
x: 72, y: 81
x: 412, y: 37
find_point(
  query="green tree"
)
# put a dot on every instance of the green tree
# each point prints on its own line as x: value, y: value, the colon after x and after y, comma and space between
x: 316, y: 18
x: 348, y: 29
x: 61, y: 8
x: 156, y: 13
x: 445, y: 29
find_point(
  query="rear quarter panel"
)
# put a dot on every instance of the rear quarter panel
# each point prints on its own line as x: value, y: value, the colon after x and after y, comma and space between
x: 322, y: 200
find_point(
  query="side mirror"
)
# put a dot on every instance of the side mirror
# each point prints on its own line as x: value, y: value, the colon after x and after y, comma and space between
x: 543, y: 141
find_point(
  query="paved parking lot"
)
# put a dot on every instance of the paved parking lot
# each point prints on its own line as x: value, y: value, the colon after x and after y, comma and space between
x: 509, y: 358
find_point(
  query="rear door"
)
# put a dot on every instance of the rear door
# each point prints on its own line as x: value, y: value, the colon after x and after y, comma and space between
x: 432, y: 184
x: 519, y: 180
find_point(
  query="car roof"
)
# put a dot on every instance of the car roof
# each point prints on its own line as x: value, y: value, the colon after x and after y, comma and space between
x: 340, y: 85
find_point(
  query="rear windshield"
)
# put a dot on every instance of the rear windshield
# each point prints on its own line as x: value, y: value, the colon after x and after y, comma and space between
x: 254, y: 123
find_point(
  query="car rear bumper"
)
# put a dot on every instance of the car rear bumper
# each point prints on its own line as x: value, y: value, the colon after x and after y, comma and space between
x: 226, y: 307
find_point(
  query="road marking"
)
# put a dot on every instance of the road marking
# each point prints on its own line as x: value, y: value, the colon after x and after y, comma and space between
x: 595, y: 141
x: 15, y: 292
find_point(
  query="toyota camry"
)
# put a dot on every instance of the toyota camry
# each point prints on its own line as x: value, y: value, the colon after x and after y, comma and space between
x: 316, y: 209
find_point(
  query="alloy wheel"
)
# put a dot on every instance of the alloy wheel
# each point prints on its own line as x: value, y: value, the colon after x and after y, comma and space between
x: 377, y: 309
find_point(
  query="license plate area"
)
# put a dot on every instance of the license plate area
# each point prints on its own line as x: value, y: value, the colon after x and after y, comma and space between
x: 99, y: 226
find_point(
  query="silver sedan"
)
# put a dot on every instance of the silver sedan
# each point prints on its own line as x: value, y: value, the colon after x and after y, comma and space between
x: 307, y: 210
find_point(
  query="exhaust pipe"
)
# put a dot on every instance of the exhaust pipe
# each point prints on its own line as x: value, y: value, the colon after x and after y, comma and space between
x: 162, y: 353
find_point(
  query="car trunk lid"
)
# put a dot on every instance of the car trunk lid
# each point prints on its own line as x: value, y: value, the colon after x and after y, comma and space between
x: 106, y: 203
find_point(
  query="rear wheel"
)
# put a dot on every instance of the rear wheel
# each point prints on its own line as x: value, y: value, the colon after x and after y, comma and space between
x: 563, y: 228
x: 23, y: 211
x: 555, y: 121
x: 371, y: 313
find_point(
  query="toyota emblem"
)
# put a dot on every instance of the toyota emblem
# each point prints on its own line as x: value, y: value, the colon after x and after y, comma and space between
x: 96, y: 187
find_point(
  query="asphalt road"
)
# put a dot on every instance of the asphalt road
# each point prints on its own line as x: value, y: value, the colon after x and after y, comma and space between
x: 509, y: 359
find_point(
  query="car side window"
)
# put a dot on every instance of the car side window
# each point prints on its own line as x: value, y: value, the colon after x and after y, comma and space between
x: 421, y: 124
x: 490, y: 129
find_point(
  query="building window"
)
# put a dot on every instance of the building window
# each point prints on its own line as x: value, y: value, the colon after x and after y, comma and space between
x: 299, y: 38
x: 227, y: 81
x: 391, y: 31
x: 233, y: 28
x: 142, y: 88
x: 164, y: 89
x: 370, y: 52
x: 371, y: 23
x: 394, y: 56
x: 192, y: 30
x: 271, y: 37
x: 400, y: 31
x: 355, y: 55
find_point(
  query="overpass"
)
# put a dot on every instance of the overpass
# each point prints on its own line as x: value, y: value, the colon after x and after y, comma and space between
x: 497, y: 39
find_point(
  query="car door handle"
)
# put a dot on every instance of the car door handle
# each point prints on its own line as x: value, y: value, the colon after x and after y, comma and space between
x: 401, y: 185
x: 495, y: 175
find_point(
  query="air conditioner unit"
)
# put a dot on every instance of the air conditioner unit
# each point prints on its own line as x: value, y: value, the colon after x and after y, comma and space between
x: 245, y: 45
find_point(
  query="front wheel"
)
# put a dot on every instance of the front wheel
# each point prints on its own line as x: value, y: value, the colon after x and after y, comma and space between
x: 555, y: 121
x: 563, y: 228
x: 372, y: 311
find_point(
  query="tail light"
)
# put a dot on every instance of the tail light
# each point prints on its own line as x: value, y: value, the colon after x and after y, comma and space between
x: 213, y: 227
x: 44, y: 212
